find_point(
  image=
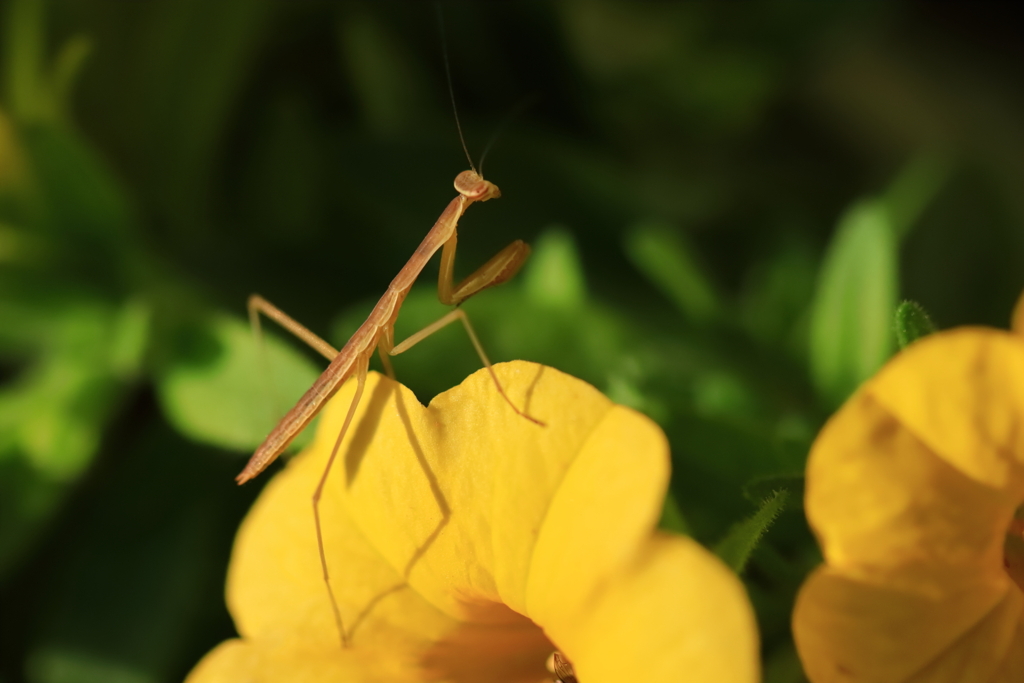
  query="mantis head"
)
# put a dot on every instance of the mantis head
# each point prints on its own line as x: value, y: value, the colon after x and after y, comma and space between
x: 473, y: 187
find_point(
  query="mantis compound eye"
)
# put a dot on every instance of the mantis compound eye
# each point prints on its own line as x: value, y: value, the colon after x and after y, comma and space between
x: 470, y: 185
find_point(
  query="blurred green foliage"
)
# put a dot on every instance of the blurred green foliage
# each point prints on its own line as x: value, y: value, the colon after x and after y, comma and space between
x: 725, y: 202
x: 739, y: 544
x: 912, y: 323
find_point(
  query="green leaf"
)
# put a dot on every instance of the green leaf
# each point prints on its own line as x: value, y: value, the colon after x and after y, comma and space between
x: 52, y: 415
x: 553, y: 276
x: 661, y: 253
x: 737, y: 546
x: 912, y: 323
x: 218, y: 389
x: 850, y: 328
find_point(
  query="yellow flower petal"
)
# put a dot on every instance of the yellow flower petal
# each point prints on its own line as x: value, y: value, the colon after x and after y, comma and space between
x: 275, y: 580
x: 601, y: 514
x: 700, y: 626
x: 850, y: 630
x: 677, y: 614
x: 457, y: 534
x: 911, y: 487
x: 280, y: 603
x: 884, y: 505
x: 962, y: 394
x: 466, y: 558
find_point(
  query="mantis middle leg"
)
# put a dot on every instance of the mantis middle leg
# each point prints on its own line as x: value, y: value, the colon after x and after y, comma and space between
x: 501, y: 267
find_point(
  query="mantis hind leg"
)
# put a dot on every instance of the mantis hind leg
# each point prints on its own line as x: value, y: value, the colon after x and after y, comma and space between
x: 361, y: 370
x: 257, y: 304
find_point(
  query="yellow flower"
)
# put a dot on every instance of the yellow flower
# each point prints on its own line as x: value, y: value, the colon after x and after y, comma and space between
x: 912, y: 490
x: 467, y: 544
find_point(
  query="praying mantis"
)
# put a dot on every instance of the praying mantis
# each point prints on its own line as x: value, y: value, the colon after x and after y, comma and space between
x: 378, y: 333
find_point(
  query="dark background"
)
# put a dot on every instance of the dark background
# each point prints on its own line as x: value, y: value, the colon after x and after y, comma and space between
x: 679, y: 168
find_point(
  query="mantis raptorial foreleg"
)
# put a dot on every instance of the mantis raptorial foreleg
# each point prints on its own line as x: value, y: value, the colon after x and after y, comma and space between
x: 501, y: 267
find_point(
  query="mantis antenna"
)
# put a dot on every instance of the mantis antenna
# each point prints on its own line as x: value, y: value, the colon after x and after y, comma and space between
x: 451, y: 88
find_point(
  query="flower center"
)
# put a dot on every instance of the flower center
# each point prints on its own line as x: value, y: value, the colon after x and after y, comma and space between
x: 1013, y: 548
x: 506, y: 648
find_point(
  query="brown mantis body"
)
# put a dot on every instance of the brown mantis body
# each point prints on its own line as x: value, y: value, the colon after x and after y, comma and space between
x: 378, y: 333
